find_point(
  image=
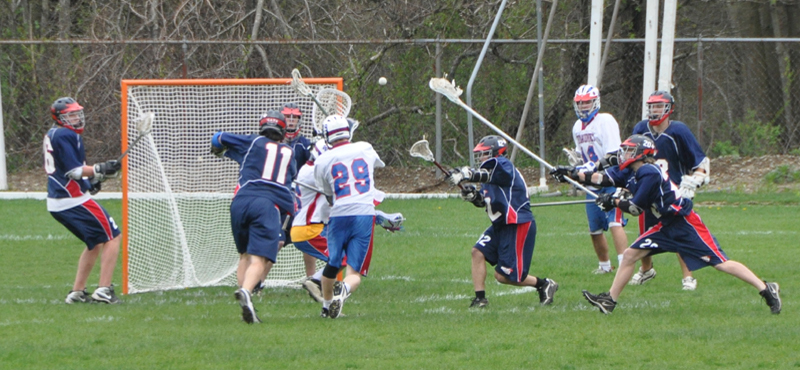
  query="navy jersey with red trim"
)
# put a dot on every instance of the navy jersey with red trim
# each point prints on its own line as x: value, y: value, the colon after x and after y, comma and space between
x: 266, y: 168
x: 677, y: 146
x: 506, y: 193
x: 63, y: 151
x: 300, y: 145
x: 652, y: 190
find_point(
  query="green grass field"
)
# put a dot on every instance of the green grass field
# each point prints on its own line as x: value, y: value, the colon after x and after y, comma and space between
x: 411, y: 312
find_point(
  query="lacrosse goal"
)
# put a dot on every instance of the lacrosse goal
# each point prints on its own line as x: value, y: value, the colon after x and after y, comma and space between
x: 176, y: 194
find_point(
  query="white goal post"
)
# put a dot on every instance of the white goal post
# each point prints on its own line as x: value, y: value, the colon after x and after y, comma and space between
x: 176, y: 195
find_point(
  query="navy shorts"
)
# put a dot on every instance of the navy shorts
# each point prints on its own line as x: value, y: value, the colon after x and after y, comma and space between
x: 89, y: 222
x: 509, y: 248
x: 687, y: 236
x: 600, y: 221
x: 351, y: 237
x: 256, y: 225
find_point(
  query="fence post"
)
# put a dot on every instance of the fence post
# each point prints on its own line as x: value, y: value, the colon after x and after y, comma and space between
x: 700, y: 89
x: 438, y: 108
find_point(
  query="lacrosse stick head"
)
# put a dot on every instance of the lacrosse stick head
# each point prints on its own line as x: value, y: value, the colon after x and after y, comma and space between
x: 420, y: 149
x: 331, y: 102
x: 145, y: 123
x: 298, y: 85
x: 446, y: 88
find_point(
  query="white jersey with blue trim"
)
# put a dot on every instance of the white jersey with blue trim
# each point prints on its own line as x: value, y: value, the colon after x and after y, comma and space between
x: 593, y: 140
x: 346, y: 172
x: 314, y: 208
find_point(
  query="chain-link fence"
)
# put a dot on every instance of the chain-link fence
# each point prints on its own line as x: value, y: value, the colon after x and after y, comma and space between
x: 738, y: 96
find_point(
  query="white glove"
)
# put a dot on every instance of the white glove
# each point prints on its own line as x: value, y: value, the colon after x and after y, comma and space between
x: 689, y: 184
x: 459, y: 175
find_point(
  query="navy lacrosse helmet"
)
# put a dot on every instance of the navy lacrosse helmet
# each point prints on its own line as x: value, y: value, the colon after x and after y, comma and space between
x: 635, y: 148
x: 272, y: 125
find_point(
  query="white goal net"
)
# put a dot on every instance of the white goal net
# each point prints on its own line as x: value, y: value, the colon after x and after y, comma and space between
x: 176, y: 194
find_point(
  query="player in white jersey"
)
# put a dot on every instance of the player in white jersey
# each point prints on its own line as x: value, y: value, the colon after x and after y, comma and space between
x: 345, y: 175
x: 597, y: 135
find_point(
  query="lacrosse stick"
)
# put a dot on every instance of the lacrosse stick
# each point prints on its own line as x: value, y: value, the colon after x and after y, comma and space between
x: 452, y: 92
x: 562, y: 203
x: 143, y: 125
x: 308, y: 186
x: 420, y: 149
x: 326, y: 101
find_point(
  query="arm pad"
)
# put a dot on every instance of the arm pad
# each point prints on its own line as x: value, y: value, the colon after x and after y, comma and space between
x: 627, y: 206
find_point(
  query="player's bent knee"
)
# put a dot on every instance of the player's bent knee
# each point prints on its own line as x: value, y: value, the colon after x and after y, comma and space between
x: 330, y: 272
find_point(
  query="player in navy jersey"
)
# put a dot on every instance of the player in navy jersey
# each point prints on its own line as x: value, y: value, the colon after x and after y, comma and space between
x: 509, y: 242
x: 679, y: 228
x: 302, y: 153
x: 345, y: 174
x: 680, y: 156
x: 263, y: 199
x: 69, y: 185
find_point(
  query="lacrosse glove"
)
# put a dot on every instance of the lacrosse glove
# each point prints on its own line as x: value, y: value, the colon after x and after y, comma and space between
x: 471, y: 194
x: 564, y: 171
x: 95, y: 186
x: 690, y: 184
x: 458, y: 176
x: 605, y: 201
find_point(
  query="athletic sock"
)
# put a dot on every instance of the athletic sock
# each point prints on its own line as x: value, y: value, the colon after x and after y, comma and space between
x: 619, y: 259
x: 346, y: 287
x: 317, y: 275
x: 326, y: 304
x: 480, y: 294
x: 605, y: 265
x: 539, y: 282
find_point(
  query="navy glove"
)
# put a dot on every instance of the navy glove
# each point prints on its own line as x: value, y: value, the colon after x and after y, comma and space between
x: 605, y: 201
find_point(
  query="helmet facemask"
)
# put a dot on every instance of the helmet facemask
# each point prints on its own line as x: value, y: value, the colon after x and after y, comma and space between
x: 586, y: 103
x: 293, y: 116
x: 657, y: 113
x: 74, y: 120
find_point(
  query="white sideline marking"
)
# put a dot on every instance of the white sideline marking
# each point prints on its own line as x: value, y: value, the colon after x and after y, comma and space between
x: 392, y: 277
x: 15, y: 238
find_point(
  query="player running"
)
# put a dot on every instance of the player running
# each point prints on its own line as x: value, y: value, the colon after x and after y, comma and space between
x: 596, y: 135
x: 508, y: 243
x: 69, y: 202
x: 679, y: 155
x: 266, y: 172
x: 679, y: 228
x: 344, y: 173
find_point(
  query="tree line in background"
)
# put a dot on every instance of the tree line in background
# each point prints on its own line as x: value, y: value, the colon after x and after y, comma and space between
x: 740, y: 98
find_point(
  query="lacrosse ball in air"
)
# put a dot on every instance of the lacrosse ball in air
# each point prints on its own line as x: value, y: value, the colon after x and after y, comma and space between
x: 382, y: 81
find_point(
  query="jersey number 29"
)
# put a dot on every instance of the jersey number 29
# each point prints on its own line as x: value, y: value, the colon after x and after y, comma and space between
x: 341, y: 178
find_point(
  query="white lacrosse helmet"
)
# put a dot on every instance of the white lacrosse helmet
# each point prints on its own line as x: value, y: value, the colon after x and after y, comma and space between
x: 586, y: 102
x: 335, y: 128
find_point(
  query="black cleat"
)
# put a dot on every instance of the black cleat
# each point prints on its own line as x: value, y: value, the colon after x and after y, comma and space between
x: 547, y: 292
x: 771, y: 295
x: 602, y: 301
x: 479, y: 303
x: 248, y: 311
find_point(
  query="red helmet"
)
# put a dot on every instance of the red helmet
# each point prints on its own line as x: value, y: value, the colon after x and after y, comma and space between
x: 635, y: 148
x: 68, y: 113
x: 293, y: 114
x: 660, y: 105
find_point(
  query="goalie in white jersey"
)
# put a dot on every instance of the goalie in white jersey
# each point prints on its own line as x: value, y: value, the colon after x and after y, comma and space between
x: 596, y: 135
x: 345, y: 175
